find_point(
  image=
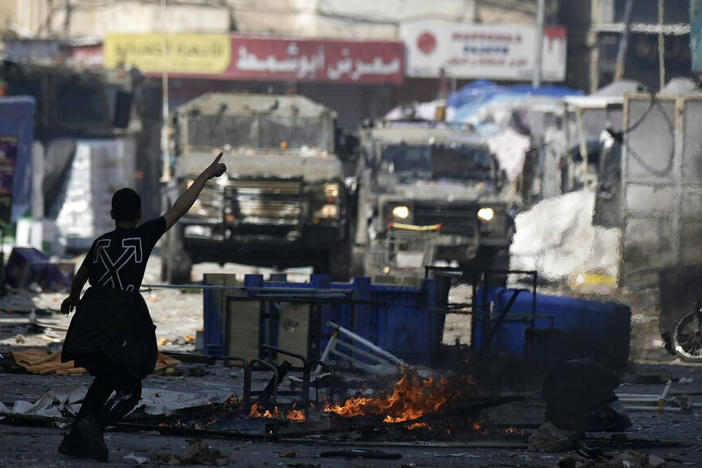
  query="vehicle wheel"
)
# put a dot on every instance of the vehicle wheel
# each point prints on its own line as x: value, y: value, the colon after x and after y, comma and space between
x: 687, y: 337
x: 176, y: 263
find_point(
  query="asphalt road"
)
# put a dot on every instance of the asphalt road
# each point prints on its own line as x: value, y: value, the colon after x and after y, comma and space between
x: 675, y: 436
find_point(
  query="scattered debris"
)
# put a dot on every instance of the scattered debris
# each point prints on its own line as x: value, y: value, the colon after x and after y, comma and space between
x: 54, y: 403
x: 197, y: 453
x: 382, y: 362
x: 627, y: 459
x: 548, y: 438
x: 138, y: 460
x: 38, y: 361
x: 632, y: 459
x: 362, y: 453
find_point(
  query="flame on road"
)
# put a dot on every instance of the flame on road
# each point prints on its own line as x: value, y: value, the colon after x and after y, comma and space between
x: 257, y: 411
x: 412, y: 397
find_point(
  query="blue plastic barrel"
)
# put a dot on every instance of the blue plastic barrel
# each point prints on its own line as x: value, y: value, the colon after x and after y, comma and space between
x: 581, y: 328
x: 212, y: 321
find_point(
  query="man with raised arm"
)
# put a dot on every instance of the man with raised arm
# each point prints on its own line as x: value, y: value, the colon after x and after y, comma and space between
x: 111, y: 333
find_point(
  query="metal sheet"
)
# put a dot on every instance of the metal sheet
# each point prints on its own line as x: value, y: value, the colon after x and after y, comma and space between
x: 662, y: 187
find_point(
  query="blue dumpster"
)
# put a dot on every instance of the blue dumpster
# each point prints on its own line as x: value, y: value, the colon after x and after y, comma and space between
x: 399, y: 319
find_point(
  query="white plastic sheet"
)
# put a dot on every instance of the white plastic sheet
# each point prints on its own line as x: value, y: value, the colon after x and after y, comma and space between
x: 557, y: 239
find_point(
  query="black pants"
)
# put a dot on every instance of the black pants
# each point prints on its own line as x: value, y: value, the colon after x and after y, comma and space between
x: 109, y: 378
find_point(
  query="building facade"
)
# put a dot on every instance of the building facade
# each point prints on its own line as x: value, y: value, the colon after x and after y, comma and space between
x: 596, y: 28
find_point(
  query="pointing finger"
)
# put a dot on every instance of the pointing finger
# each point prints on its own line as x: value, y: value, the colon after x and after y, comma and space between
x: 219, y: 156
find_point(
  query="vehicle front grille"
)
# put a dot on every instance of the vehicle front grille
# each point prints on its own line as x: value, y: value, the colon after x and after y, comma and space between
x: 455, y: 219
x: 265, y: 202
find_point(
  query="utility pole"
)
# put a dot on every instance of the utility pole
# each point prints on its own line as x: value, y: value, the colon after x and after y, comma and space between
x: 624, y: 41
x: 538, y: 47
x: 67, y: 19
x: 661, y: 46
x: 165, y: 153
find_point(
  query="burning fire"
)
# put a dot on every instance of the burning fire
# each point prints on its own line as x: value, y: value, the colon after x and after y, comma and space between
x: 419, y: 425
x: 412, y: 397
x: 295, y: 414
x: 257, y: 412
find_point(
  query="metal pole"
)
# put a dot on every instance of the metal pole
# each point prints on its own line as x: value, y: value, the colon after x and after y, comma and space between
x: 67, y: 19
x: 624, y: 41
x: 165, y: 157
x: 661, y: 46
x: 538, y: 47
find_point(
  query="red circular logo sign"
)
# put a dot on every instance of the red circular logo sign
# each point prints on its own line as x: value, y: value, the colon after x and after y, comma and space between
x: 426, y: 42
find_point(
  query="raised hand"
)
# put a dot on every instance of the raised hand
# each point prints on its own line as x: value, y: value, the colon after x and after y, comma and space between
x: 217, y: 168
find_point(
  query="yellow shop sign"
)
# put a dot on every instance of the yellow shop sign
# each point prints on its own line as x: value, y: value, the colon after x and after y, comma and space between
x: 176, y: 53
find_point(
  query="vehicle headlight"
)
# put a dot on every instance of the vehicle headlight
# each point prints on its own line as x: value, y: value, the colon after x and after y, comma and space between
x: 331, y: 191
x: 401, y: 212
x: 198, y: 231
x: 328, y: 211
x: 486, y: 214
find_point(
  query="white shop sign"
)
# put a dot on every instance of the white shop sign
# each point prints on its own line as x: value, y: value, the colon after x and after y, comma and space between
x: 500, y: 52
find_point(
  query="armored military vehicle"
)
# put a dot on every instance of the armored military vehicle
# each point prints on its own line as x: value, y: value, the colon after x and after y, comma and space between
x: 428, y: 195
x: 283, y: 202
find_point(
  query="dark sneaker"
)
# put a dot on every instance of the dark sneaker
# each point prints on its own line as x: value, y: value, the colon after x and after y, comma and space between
x: 73, y: 445
x: 91, y: 431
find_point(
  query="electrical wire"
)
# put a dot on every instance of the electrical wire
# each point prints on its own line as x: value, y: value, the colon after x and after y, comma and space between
x: 619, y: 137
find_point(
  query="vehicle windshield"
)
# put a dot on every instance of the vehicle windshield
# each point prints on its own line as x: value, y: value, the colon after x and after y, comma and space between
x: 436, y: 161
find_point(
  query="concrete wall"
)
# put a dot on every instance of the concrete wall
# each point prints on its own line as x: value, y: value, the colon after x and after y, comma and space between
x: 361, y: 19
x: 84, y: 18
x: 358, y: 19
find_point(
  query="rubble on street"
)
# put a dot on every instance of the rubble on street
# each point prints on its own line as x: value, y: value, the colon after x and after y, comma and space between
x: 196, y: 410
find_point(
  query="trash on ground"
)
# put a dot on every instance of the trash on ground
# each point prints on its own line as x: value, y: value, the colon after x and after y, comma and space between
x: 196, y: 453
x: 136, y: 459
x: 362, y: 453
x: 548, y: 438
x: 54, y: 403
x: 38, y: 361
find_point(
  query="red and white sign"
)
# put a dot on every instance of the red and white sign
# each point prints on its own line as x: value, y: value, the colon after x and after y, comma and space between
x: 501, y: 52
x: 88, y: 56
x: 275, y: 59
x: 316, y: 60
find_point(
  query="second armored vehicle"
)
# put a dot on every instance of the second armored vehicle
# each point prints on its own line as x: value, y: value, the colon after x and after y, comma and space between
x: 429, y: 195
